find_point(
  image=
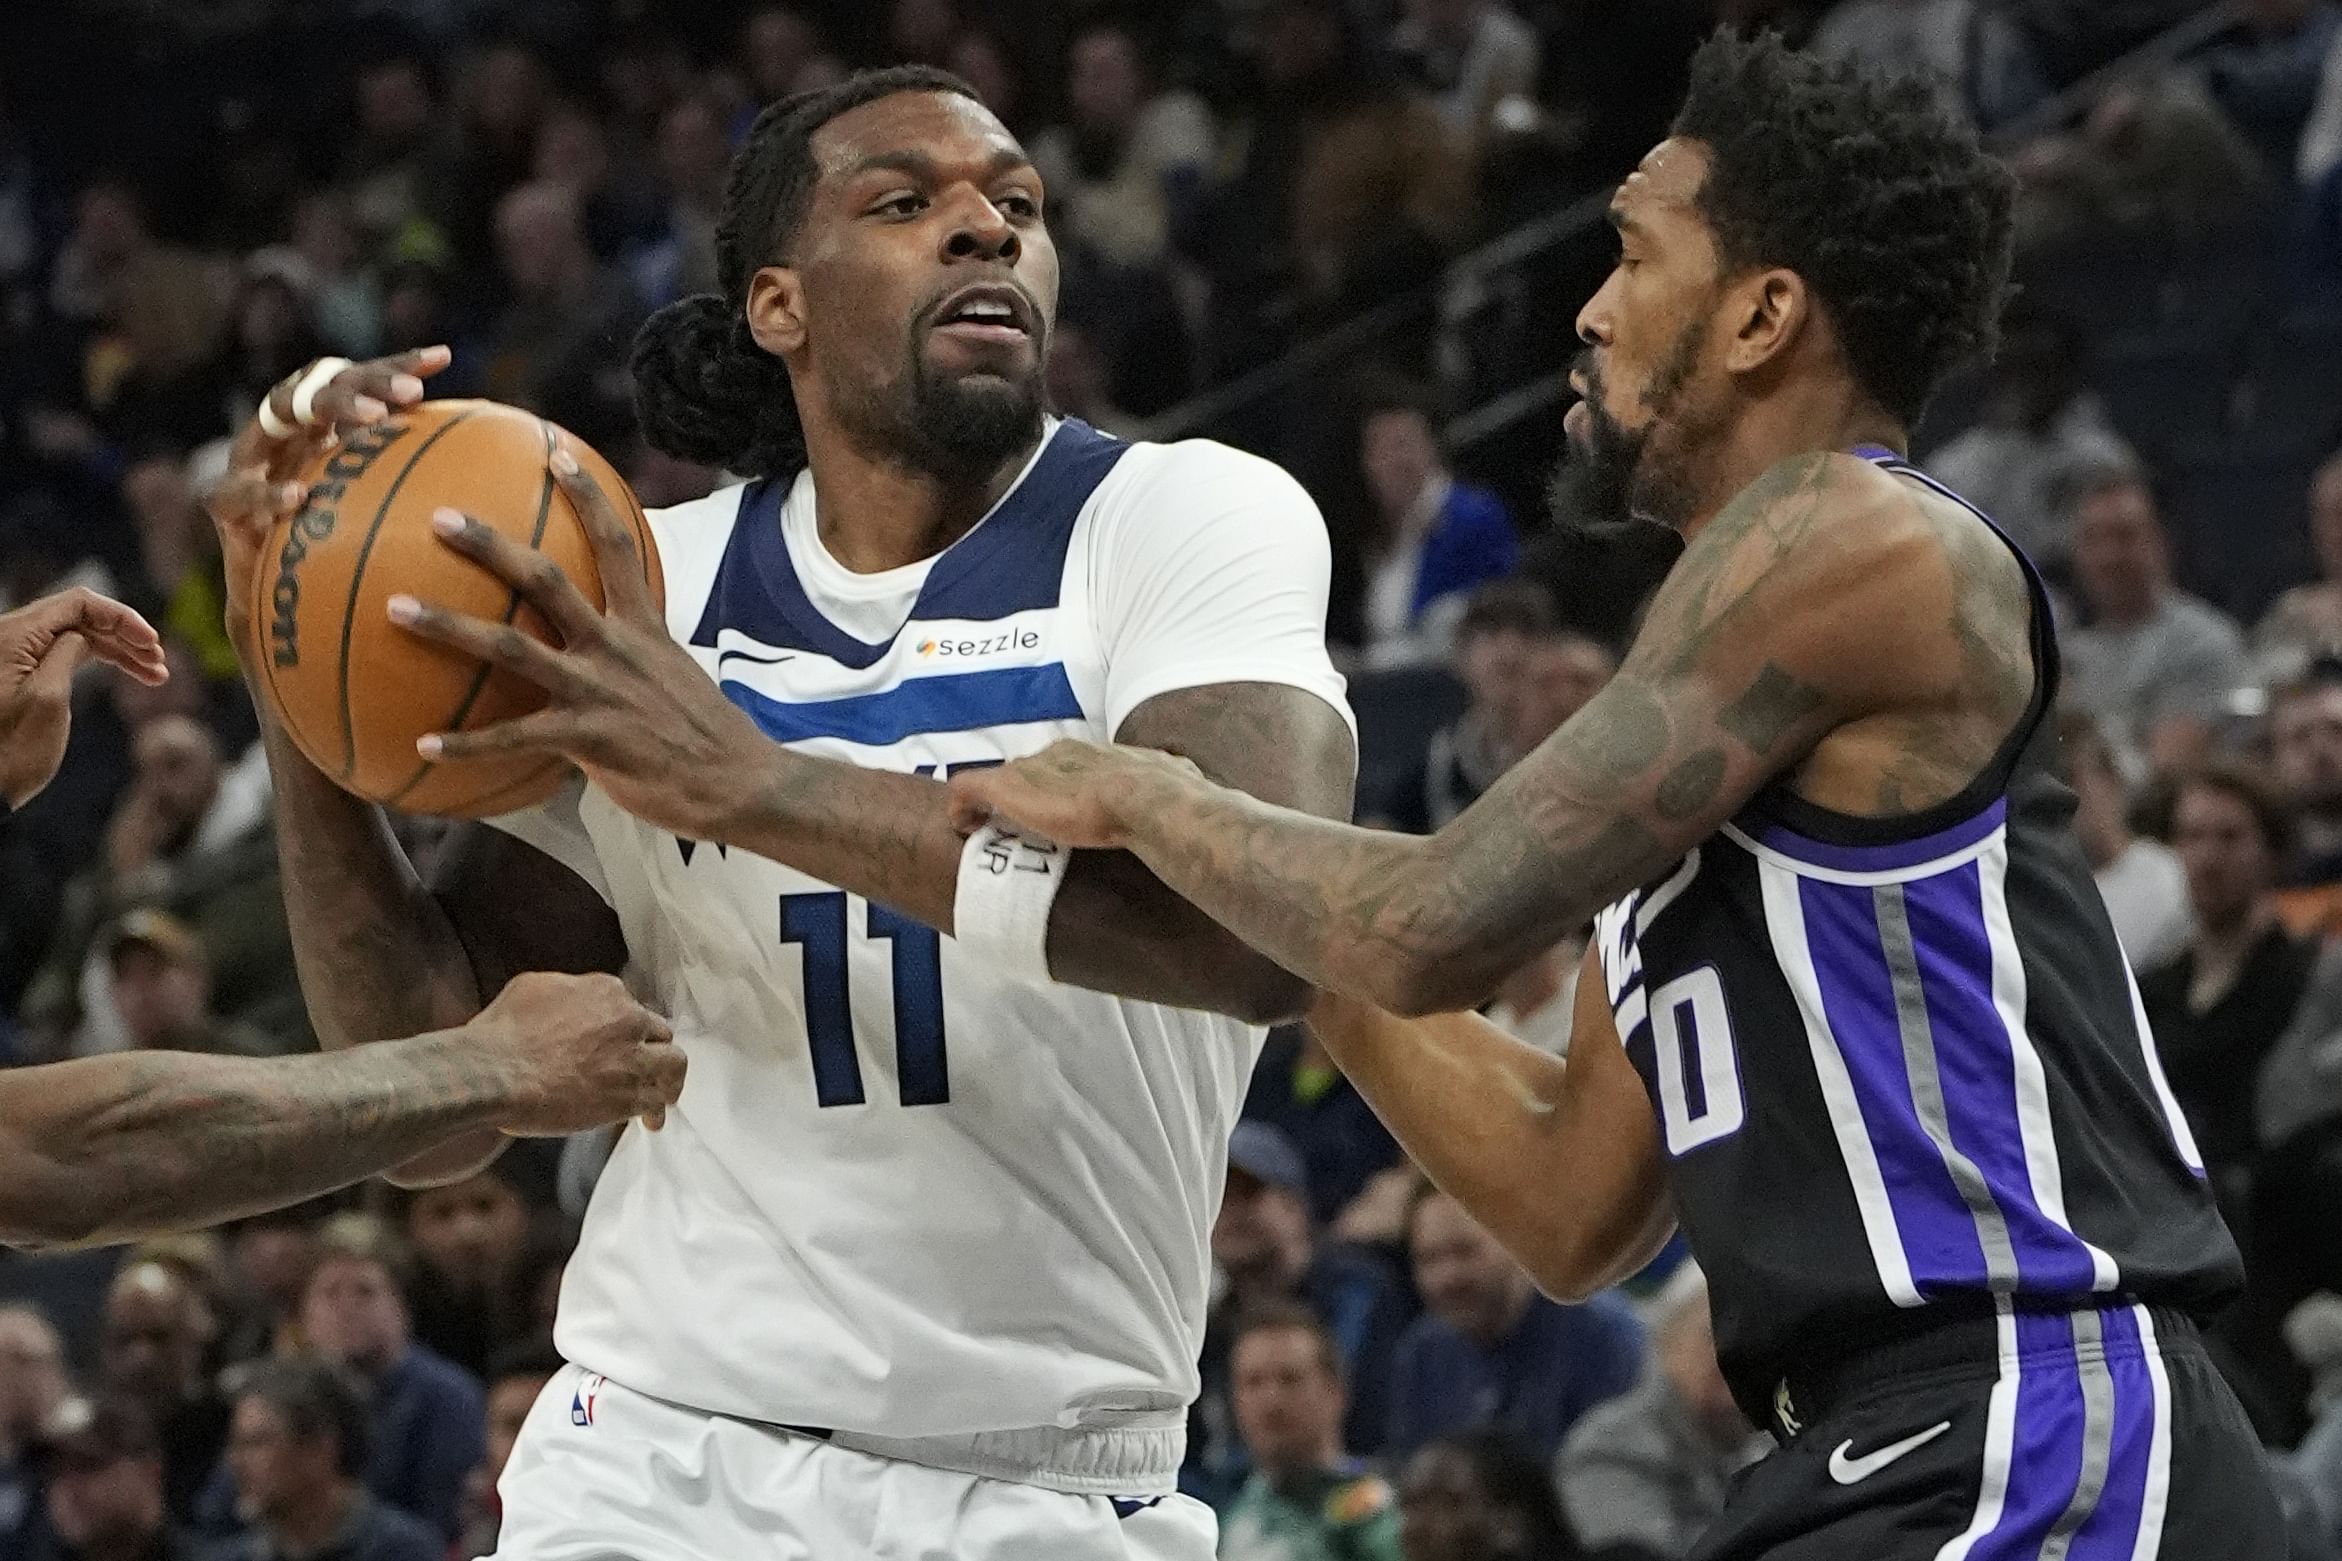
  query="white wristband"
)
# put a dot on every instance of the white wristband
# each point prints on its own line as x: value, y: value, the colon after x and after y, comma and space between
x: 1000, y: 914
x: 320, y: 375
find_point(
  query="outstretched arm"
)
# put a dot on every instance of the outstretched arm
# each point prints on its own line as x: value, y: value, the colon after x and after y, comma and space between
x: 109, y: 1148
x: 1817, y: 598
x: 1560, y: 1163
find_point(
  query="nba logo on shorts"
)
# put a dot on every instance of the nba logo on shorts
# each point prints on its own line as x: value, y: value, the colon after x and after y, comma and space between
x: 581, y: 1402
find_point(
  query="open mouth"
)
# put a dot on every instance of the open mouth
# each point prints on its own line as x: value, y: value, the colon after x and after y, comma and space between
x: 988, y: 312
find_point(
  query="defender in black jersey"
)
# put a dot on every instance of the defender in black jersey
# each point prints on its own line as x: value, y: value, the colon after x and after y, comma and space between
x: 1853, y: 1013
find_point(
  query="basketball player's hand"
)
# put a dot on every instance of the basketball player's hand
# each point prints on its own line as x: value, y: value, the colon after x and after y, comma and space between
x: 576, y: 1052
x: 42, y: 644
x: 1077, y: 794
x: 259, y: 488
x: 624, y: 702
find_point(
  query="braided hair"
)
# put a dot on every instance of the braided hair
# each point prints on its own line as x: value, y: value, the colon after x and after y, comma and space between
x: 703, y: 389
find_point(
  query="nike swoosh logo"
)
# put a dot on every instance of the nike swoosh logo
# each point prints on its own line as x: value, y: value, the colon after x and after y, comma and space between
x: 1853, y: 1471
x: 723, y: 656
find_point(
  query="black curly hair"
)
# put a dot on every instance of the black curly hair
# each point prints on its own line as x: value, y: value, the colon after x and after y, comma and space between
x: 1870, y: 187
x: 704, y: 391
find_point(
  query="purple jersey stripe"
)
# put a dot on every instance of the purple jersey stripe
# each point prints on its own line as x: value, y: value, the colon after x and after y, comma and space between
x: 2045, y: 1459
x: 2112, y: 1532
x: 1894, y: 856
x: 1940, y: 1242
x: 1979, y: 1074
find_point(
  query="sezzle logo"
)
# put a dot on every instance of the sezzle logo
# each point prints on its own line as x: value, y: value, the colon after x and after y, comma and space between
x: 932, y: 649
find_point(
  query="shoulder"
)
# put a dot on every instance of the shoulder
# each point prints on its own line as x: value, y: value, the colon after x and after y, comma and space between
x: 1176, y: 471
x: 1476, y: 509
x: 1360, y: 1499
x: 393, y: 1535
x: 442, y: 1377
x: 691, y: 539
x: 1169, y: 501
x: 2201, y: 621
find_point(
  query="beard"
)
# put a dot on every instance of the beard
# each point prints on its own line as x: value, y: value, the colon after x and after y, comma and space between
x: 1617, y: 478
x: 956, y: 429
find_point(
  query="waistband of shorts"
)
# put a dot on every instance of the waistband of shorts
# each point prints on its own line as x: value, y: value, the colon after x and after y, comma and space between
x: 1931, y: 1339
x: 1080, y: 1461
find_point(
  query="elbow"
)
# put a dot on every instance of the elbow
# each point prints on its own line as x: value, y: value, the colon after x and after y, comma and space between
x: 1262, y: 993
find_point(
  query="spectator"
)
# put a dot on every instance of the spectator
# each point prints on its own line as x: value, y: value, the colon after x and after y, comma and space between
x: 1475, y: 57
x: 397, y: 171
x: 272, y: 1254
x: 501, y: 100
x: 299, y: 1445
x: 2154, y: 156
x: 679, y: 255
x: 1268, y: 1251
x: 921, y: 32
x: 158, y: 1328
x: 272, y: 331
x: 1480, y: 1497
x: 2305, y: 740
x: 191, y: 837
x: 980, y: 58
x: 1644, y: 1475
x: 1523, y: 676
x: 1297, y: 1090
x: 2141, y: 881
x: 2155, y: 665
x: 1434, y: 539
x: 2306, y: 621
x: 426, y: 1414
x: 786, y: 54
x: 1128, y: 160
x: 162, y: 991
x: 2042, y: 426
x: 1305, y: 1500
x: 104, y: 1464
x: 1490, y: 1352
x: 560, y: 346
x: 180, y: 550
x: 516, y: 1379
x: 469, y: 1239
x: 1347, y: 191
x: 347, y: 297
x: 2219, y: 1008
x: 2265, y: 72
x: 33, y: 1387
x: 1979, y: 50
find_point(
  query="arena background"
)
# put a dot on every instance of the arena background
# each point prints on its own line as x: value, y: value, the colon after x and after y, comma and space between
x: 1351, y: 235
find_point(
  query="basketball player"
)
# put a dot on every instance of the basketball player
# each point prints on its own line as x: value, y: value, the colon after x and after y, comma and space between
x: 111, y: 1148
x: 1854, y: 1014
x: 918, y: 1266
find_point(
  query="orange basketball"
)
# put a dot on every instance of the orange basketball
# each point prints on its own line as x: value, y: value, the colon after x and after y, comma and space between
x: 353, y: 690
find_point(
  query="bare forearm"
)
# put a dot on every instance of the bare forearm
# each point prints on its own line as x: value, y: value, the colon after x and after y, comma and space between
x: 1114, y: 928
x: 115, y: 1147
x: 377, y: 957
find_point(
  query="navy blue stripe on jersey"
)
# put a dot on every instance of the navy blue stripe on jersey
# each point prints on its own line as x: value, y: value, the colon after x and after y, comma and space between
x: 1894, y: 856
x: 1014, y: 562
x: 1946, y: 1092
x: 941, y: 702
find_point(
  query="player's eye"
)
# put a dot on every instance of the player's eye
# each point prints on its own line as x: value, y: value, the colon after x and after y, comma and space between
x: 908, y: 204
x: 1017, y: 203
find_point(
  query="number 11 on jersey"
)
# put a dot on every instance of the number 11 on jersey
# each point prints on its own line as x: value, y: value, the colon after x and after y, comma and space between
x: 817, y: 924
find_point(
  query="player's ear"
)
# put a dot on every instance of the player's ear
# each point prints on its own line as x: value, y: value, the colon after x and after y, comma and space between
x: 776, y: 310
x: 1767, y: 312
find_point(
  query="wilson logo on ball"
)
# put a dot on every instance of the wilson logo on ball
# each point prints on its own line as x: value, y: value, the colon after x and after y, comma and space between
x: 315, y: 523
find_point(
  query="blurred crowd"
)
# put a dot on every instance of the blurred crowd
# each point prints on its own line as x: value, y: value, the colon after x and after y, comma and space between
x: 197, y: 198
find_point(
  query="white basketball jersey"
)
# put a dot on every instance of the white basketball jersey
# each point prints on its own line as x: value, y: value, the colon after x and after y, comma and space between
x: 902, y: 1195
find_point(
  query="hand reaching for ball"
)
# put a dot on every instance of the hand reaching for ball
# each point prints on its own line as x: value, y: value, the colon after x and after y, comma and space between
x: 624, y: 702
x: 260, y: 490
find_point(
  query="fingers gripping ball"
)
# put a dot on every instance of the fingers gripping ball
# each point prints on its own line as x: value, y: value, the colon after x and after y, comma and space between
x: 352, y: 690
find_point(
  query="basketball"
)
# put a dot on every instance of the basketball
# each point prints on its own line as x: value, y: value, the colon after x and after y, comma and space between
x: 353, y: 690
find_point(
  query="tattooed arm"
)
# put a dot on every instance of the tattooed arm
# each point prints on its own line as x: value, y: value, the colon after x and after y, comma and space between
x: 1561, y: 1164
x: 1824, y: 601
x: 109, y: 1148
x: 1114, y: 927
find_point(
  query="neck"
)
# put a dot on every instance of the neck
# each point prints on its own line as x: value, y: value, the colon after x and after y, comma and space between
x: 1501, y: 1325
x: 1827, y: 414
x: 1316, y: 1460
x: 876, y: 512
x: 2104, y: 840
x: 303, y: 1527
x: 2223, y: 943
x: 2130, y: 614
